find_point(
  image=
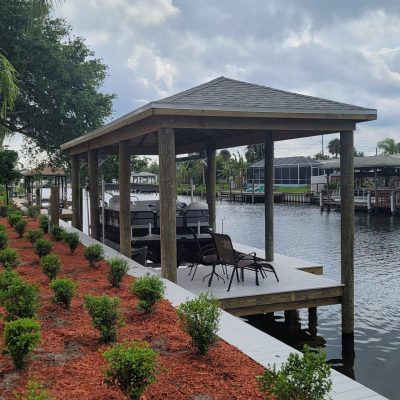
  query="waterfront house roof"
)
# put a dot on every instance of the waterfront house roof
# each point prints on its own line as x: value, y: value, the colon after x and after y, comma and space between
x: 227, y: 113
x: 370, y: 162
x: 297, y: 160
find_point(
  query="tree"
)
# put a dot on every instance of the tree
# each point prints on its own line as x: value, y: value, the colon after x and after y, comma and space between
x: 8, y: 85
x: 389, y: 146
x: 334, y: 147
x: 8, y: 173
x: 320, y: 156
x: 225, y: 154
x: 254, y: 153
x: 58, y: 78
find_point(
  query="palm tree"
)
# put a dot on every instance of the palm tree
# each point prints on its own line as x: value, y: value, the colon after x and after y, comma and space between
x: 334, y: 147
x: 389, y: 146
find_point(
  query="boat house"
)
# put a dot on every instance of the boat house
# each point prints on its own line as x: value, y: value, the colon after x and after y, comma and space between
x: 215, y: 115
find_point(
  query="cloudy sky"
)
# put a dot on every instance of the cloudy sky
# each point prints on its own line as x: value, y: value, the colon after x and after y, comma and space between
x: 346, y: 50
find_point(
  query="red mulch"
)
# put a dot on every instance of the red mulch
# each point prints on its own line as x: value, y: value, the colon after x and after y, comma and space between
x: 69, y: 359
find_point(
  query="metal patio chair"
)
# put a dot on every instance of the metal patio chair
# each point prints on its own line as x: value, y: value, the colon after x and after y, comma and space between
x: 206, y: 255
x: 229, y: 256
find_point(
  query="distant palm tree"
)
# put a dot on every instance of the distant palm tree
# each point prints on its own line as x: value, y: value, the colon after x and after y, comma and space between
x: 389, y: 146
x: 334, y: 147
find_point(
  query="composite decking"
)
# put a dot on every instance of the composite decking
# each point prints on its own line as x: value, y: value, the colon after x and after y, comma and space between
x: 256, y: 344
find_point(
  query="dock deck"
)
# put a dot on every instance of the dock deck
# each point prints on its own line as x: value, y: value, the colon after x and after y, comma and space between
x: 295, y: 289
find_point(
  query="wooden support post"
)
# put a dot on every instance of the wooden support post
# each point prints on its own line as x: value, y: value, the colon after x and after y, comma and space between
x: 125, y: 231
x: 54, y: 206
x: 166, y: 152
x: 93, y: 170
x: 211, y: 182
x: 76, y: 193
x: 312, y: 321
x: 269, y: 197
x: 38, y: 198
x: 65, y: 192
x: 347, y: 228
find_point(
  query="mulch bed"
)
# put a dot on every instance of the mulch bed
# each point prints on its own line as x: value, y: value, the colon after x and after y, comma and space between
x: 69, y: 359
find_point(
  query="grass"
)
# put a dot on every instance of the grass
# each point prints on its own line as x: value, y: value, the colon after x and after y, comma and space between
x: 282, y: 189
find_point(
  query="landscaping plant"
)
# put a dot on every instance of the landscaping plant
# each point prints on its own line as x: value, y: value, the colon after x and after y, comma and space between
x: 301, y: 377
x: 7, y: 278
x: 149, y: 289
x: 14, y: 217
x: 34, y: 391
x: 72, y: 240
x: 20, y: 299
x: 21, y: 337
x: 118, y: 267
x: 33, y: 211
x: 20, y: 227
x: 64, y: 289
x: 106, y: 315
x: 44, y: 222
x: 43, y: 247
x: 132, y: 367
x: 200, y: 319
x: 9, y: 257
x: 34, y: 234
x: 3, y: 239
x: 94, y: 253
x: 3, y: 211
x: 50, y: 265
x: 57, y: 232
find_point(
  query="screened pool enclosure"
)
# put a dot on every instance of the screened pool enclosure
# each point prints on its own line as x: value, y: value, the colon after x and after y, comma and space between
x: 289, y: 171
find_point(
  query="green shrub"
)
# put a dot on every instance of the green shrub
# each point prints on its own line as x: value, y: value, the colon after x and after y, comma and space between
x: 57, y: 232
x: 105, y: 313
x: 3, y: 239
x: 7, y: 278
x: 118, y: 267
x: 34, y: 234
x: 9, y: 257
x: 149, y: 289
x: 50, y: 265
x: 43, y: 247
x: 200, y: 319
x: 33, y: 211
x: 20, y: 299
x: 64, y: 289
x: 72, y: 240
x: 20, y: 227
x: 300, y: 377
x: 3, y: 228
x: 21, y: 337
x: 132, y: 367
x: 3, y: 211
x: 14, y: 217
x: 44, y: 222
x: 94, y: 253
x: 34, y: 391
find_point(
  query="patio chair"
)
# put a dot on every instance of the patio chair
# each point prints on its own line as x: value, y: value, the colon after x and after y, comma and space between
x: 228, y: 256
x: 206, y: 255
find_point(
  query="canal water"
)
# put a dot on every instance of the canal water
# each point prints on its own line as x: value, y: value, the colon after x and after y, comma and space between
x: 304, y: 232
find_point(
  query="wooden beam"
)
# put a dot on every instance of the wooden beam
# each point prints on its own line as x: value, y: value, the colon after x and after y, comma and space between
x: 166, y: 149
x: 54, y: 206
x: 269, y: 197
x: 93, y: 168
x: 75, y: 182
x: 125, y: 231
x: 211, y: 181
x: 347, y: 228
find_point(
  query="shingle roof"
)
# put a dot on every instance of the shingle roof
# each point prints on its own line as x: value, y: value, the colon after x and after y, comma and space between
x: 297, y: 160
x: 368, y: 162
x: 225, y: 93
x: 45, y: 171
